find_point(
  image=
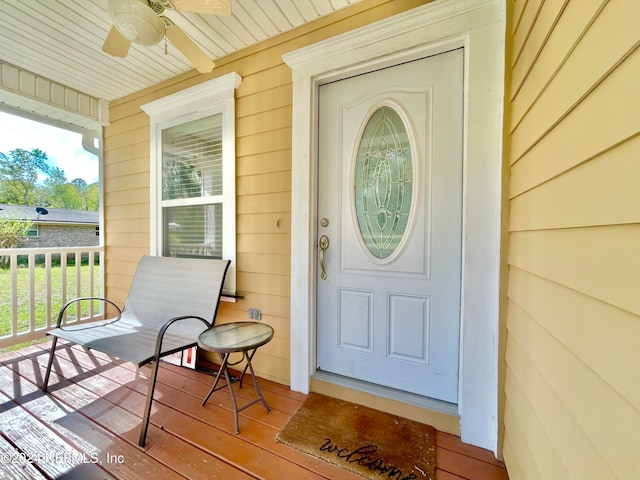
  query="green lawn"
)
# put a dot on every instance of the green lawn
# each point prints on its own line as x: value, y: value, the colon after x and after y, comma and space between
x: 40, y: 302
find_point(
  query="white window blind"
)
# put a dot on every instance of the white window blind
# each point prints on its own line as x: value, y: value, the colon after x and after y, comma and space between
x: 192, y: 159
x: 192, y: 188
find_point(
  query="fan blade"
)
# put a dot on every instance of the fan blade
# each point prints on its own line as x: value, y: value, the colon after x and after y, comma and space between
x: 115, y: 44
x: 212, y: 7
x: 189, y: 49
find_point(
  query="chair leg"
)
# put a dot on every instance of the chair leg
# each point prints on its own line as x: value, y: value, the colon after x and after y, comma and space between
x: 147, y: 408
x: 50, y: 364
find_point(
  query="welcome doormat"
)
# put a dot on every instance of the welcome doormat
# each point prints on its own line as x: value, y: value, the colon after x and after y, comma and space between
x: 374, y: 444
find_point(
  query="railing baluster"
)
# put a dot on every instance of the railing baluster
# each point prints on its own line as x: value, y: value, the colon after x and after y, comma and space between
x: 47, y: 279
x: 31, y: 260
x: 78, y: 265
x: 91, y: 283
x: 63, y: 279
x: 14, y: 294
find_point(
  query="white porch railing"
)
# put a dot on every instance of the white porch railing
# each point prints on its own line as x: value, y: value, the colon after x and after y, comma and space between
x: 36, y: 282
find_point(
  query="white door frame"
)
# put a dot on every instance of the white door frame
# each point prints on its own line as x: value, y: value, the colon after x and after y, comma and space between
x: 479, y: 27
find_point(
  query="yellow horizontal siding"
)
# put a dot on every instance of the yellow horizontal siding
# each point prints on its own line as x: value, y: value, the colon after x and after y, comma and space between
x: 133, y: 122
x: 272, y: 141
x: 603, y: 262
x: 132, y: 181
x: 588, y: 65
x: 137, y: 152
x: 605, y: 118
x: 124, y: 168
x: 126, y: 254
x: 273, y: 368
x: 261, y: 263
x: 275, y: 75
x: 530, y: 393
x: 264, y: 101
x: 128, y: 239
x: 576, y: 320
x: 129, y: 226
x: 276, y: 307
x: 264, y: 283
x: 279, y: 243
x: 230, y: 313
x: 603, y: 191
x: 538, y: 69
x: 265, y: 202
x: 612, y: 434
x: 571, y: 409
x: 276, y: 119
x: 136, y: 213
x: 276, y: 222
x: 540, y: 31
x: 264, y: 162
x: 122, y: 267
x: 279, y: 181
x: 130, y: 196
x: 517, y: 9
x: 140, y: 133
x: 525, y: 25
x: 527, y: 430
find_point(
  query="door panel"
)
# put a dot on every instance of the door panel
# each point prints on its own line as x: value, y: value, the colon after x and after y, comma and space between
x: 390, y: 211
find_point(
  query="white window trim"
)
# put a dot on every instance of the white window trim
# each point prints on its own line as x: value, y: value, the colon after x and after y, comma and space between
x: 208, y: 98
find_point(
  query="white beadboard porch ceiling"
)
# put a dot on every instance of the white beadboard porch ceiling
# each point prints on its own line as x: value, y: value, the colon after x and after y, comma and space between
x: 61, y: 40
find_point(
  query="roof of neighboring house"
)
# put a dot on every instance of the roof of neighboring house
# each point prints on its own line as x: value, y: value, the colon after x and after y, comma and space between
x: 50, y: 215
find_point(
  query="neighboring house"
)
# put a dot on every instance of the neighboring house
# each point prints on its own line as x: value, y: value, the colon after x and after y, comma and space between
x: 55, y: 227
x: 547, y: 229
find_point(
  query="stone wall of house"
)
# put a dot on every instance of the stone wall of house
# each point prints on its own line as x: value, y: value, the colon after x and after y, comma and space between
x: 63, y: 236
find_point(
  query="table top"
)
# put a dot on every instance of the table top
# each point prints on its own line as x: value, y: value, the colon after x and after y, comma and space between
x: 235, y: 337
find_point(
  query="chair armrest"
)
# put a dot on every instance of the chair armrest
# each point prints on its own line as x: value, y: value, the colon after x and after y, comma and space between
x: 80, y: 299
x: 170, y: 322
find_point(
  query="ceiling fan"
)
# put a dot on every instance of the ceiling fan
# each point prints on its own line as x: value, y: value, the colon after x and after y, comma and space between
x: 142, y: 22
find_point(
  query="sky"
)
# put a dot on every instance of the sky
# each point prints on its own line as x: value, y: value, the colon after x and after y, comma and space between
x: 63, y: 148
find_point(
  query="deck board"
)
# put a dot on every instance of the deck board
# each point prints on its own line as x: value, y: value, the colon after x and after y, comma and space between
x: 93, y: 411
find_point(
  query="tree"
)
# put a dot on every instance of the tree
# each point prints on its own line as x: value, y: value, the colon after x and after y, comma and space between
x: 19, y: 175
x: 92, y: 197
x: 12, y: 230
x: 26, y: 178
x: 58, y: 193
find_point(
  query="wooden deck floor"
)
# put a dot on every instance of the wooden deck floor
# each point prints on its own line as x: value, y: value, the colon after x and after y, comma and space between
x: 87, y: 426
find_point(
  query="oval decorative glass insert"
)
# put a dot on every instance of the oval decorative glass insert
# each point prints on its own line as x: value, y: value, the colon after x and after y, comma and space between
x: 383, y: 182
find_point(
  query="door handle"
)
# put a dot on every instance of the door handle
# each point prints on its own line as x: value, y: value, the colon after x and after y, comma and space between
x: 323, y: 243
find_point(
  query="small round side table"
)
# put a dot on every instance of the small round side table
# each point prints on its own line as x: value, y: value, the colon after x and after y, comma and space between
x: 236, y: 337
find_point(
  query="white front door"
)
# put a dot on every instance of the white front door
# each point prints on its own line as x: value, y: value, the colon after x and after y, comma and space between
x: 390, y: 226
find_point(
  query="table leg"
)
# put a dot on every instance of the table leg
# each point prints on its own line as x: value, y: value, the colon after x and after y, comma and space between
x: 255, y: 382
x: 249, y: 357
x: 227, y: 375
x: 223, y: 365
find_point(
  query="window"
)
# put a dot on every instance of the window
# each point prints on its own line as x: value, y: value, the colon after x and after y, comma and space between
x: 33, y: 231
x: 193, y: 173
x: 383, y: 183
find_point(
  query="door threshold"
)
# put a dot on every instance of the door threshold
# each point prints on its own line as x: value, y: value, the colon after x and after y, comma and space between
x: 440, y: 414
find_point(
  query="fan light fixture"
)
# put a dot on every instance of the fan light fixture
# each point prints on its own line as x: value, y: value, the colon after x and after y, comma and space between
x: 142, y: 22
x: 136, y: 21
